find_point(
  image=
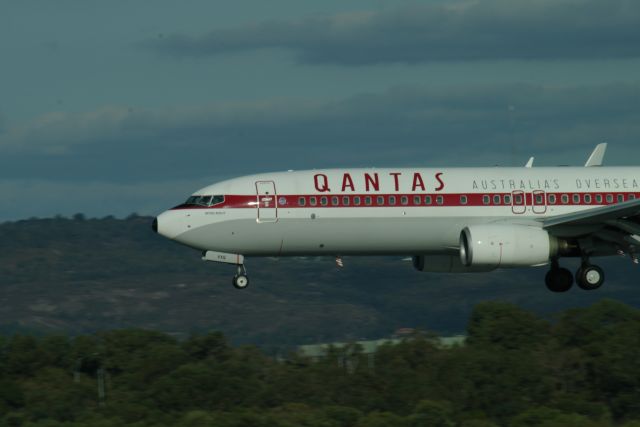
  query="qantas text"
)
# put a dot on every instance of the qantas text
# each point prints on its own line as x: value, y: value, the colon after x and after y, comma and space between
x: 371, y: 182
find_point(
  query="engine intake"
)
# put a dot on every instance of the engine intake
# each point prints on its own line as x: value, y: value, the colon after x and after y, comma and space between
x: 499, y: 245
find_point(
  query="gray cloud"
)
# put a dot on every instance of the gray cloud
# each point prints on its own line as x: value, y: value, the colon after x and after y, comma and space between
x: 117, y: 160
x: 402, y: 126
x: 437, y: 31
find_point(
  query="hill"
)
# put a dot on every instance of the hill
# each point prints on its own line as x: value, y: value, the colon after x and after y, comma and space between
x: 84, y: 275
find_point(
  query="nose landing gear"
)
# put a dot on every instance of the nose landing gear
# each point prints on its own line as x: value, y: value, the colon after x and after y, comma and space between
x: 241, y: 280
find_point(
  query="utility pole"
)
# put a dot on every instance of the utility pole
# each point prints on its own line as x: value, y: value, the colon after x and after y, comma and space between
x: 101, y: 388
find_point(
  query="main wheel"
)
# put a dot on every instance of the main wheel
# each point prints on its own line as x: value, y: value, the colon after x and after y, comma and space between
x: 240, y: 281
x: 590, y: 277
x: 559, y: 280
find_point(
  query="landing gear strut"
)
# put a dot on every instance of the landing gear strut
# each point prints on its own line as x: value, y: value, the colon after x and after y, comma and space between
x: 241, y: 280
x: 558, y: 279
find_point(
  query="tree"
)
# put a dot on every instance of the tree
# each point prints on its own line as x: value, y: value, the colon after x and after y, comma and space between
x: 212, y: 345
x: 381, y: 419
x: 607, y: 339
x: 498, y: 324
x: 430, y: 413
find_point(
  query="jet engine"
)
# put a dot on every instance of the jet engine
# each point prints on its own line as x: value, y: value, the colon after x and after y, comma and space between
x: 506, y: 245
x: 445, y: 264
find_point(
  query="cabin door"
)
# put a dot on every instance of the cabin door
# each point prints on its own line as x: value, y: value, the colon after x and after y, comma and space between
x: 518, y: 202
x: 539, y: 202
x: 267, y: 201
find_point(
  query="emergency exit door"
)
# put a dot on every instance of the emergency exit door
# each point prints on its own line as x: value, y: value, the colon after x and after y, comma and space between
x: 267, y: 201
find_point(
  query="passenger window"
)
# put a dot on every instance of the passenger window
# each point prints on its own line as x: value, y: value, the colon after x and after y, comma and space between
x: 552, y: 199
x: 313, y: 201
x: 496, y: 199
x: 345, y: 200
x: 463, y: 200
x: 335, y: 201
x: 632, y: 196
x: 404, y: 200
x: 599, y: 199
x: 486, y: 199
x: 440, y: 200
x: 416, y: 200
x: 356, y: 200
x: 507, y: 200
x: 428, y: 200
x: 367, y: 200
x: 519, y: 199
x: 324, y: 201
x: 609, y: 198
x: 539, y: 199
x: 576, y: 199
x: 587, y: 199
x: 565, y: 199
x: 380, y: 200
x: 392, y: 200
x: 302, y: 201
x: 620, y: 198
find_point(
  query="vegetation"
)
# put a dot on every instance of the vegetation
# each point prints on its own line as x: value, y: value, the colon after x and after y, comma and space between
x: 582, y: 369
x: 81, y: 275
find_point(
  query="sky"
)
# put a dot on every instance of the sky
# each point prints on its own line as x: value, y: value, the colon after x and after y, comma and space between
x: 111, y: 108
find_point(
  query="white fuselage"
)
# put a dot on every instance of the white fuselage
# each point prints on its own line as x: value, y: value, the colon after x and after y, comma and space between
x: 384, y: 211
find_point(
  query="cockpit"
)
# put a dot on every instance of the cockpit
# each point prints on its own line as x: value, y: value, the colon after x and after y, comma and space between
x: 203, y: 201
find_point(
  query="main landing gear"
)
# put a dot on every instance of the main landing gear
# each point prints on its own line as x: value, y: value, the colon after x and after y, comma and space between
x: 588, y: 277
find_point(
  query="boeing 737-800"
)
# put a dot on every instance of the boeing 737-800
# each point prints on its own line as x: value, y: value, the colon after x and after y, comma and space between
x: 454, y: 220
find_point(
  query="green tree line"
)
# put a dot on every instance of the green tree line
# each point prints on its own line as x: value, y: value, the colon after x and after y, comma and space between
x: 581, y: 368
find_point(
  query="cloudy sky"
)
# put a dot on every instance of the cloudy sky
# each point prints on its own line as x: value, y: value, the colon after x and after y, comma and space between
x: 118, y: 107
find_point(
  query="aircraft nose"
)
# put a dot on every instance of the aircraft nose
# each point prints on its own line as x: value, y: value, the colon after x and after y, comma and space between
x: 170, y: 224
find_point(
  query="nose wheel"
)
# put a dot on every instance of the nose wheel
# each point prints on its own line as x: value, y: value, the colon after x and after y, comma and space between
x: 241, y: 280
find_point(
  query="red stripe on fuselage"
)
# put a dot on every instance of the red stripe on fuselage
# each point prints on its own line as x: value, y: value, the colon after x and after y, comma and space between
x: 420, y: 200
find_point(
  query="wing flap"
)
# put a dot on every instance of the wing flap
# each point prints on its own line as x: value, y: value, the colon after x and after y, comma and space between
x: 596, y: 216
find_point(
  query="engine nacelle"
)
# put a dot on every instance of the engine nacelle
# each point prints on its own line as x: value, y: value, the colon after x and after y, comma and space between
x: 445, y: 264
x: 505, y: 245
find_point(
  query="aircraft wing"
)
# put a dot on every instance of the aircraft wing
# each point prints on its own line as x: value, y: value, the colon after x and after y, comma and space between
x: 603, y: 215
x: 616, y: 227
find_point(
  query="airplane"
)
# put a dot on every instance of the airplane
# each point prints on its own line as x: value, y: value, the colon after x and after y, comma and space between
x: 448, y: 220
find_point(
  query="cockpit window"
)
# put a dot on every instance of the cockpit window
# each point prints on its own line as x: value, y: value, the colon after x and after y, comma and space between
x: 216, y: 200
x: 204, y: 200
